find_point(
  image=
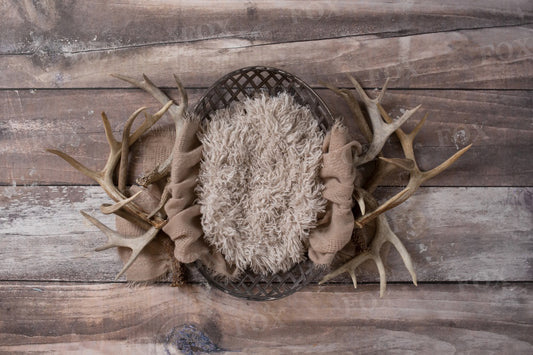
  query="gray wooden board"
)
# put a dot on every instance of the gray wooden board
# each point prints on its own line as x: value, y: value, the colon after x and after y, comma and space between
x: 453, y: 234
x: 488, y: 58
x: 469, y: 232
x: 30, y: 28
x: 443, y: 319
x: 496, y: 122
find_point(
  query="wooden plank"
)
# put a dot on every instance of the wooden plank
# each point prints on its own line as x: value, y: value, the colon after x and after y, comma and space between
x: 490, y: 318
x: 453, y: 234
x: 489, y: 58
x: 30, y: 28
x: 69, y: 120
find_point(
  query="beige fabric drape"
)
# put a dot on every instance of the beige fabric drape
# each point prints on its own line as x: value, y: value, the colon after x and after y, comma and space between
x: 184, y: 225
x: 184, y: 229
x: 335, y: 228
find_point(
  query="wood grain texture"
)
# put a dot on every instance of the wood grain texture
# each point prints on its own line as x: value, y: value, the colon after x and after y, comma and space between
x: 57, y: 27
x: 453, y: 234
x: 445, y: 319
x: 496, y: 122
x: 469, y: 64
x: 489, y: 58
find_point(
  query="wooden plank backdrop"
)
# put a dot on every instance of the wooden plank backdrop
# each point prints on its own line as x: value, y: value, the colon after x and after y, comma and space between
x: 469, y: 231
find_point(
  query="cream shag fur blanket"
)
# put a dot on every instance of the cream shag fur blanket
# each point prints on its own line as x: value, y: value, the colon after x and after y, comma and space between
x: 259, y: 187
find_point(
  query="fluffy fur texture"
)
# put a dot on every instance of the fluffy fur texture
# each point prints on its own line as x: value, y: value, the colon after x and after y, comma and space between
x: 259, y: 187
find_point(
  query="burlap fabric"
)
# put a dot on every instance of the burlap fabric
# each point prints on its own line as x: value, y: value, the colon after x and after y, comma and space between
x: 335, y: 228
x: 184, y: 226
x: 184, y: 230
x: 155, y: 261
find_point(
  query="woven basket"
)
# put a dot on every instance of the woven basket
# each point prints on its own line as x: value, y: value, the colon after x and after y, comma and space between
x: 235, y: 86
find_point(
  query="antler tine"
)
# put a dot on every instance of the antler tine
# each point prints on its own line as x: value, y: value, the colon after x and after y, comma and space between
x: 127, y: 204
x: 382, y: 235
x: 125, y: 149
x: 416, y: 176
x: 359, y: 197
x: 163, y: 169
x: 127, y: 140
x: 165, y: 196
x: 147, y: 85
x: 175, y: 111
x: 114, y: 239
x: 360, y: 119
x: 366, y: 99
x: 108, y: 209
x: 383, y: 168
x: 104, y: 177
x: 381, y: 130
x: 183, y: 95
x: 149, y: 121
x: 128, y: 217
x: 94, y: 175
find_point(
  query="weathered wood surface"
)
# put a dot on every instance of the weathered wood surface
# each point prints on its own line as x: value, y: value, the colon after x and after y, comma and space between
x: 55, y: 28
x: 453, y: 234
x: 444, y: 319
x: 418, y: 43
x: 496, y: 122
x: 469, y: 64
x: 495, y: 58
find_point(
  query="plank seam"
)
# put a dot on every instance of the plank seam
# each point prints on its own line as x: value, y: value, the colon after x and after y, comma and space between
x: 339, y: 283
x: 2, y: 184
x: 315, y: 87
x: 381, y: 35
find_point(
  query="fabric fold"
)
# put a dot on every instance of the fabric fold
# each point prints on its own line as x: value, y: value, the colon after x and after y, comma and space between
x: 335, y: 228
x: 184, y: 232
x: 184, y: 217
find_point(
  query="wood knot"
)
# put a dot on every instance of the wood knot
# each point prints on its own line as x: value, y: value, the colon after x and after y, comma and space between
x: 190, y: 340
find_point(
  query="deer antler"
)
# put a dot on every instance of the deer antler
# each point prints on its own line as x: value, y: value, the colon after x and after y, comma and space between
x: 108, y: 209
x: 382, y: 127
x: 125, y: 207
x: 416, y: 176
x: 381, y: 130
x: 383, y: 234
x: 175, y: 111
x: 383, y: 168
x: 104, y: 177
x: 114, y: 239
x: 359, y: 118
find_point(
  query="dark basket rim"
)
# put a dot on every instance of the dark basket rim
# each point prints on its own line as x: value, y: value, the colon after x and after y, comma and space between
x: 295, y: 78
